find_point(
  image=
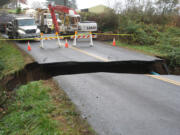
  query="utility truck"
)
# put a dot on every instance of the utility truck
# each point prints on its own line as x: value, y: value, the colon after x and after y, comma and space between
x: 44, y: 20
x: 70, y: 20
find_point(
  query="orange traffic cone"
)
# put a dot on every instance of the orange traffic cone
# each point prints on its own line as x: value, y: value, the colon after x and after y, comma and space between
x: 66, y: 44
x: 29, y: 47
x: 114, y: 42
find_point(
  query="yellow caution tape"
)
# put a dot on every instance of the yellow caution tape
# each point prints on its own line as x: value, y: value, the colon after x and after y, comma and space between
x: 108, y: 34
x: 46, y: 38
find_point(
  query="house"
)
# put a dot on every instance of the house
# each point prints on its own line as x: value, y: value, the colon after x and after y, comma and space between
x: 17, y: 3
x: 97, y: 9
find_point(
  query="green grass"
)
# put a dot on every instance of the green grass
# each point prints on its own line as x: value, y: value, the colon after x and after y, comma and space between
x: 29, y: 113
x: 151, y: 50
x: 11, y: 11
x: 36, y: 112
x: 167, y: 52
x: 38, y: 108
x: 10, y: 58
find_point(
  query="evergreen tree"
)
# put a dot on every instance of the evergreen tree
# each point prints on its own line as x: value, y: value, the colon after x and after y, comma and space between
x: 3, y: 2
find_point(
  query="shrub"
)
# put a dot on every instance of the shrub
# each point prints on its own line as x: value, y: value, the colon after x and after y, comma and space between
x: 1, y: 66
x: 18, y: 10
x: 143, y: 34
x: 107, y: 21
x: 174, y: 57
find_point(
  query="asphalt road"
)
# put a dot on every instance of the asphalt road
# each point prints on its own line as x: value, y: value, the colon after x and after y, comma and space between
x: 122, y: 104
x: 82, y: 53
x: 116, y: 104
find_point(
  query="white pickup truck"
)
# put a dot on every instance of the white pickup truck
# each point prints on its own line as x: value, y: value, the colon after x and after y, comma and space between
x: 22, y: 27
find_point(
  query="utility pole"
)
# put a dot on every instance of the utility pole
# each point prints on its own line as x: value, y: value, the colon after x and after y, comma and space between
x: 16, y: 4
x: 65, y: 3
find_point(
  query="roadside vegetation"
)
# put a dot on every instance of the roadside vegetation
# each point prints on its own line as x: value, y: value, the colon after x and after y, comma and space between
x: 155, y: 26
x: 39, y: 107
x: 11, y: 59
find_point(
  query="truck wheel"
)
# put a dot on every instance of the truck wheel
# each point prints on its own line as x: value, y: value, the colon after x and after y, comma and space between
x: 47, y: 30
x: 10, y: 36
x: 17, y: 37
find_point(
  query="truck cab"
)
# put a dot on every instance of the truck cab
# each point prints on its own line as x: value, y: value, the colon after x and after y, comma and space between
x: 23, y: 27
x: 44, y: 20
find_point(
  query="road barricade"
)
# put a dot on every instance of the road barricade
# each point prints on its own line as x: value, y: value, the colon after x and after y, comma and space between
x: 76, y: 36
x: 51, y: 38
x: 83, y: 36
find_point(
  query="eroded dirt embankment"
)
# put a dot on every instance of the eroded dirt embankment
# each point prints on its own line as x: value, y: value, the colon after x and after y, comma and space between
x: 35, y: 71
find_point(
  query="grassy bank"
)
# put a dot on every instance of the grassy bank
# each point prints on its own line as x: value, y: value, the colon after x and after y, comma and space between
x: 150, y: 50
x: 41, y: 108
x: 172, y: 57
x: 38, y: 107
x: 11, y: 59
x: 10, y: 11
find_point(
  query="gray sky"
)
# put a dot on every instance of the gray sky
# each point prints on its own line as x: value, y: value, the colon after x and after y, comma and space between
x: 86, y: 3
x: 89, y: 3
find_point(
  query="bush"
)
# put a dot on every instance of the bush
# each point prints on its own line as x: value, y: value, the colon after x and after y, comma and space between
x: 1, y: 66
x: 172, y: 54
x: 107, y: 21
x: 18, y: 10
x: 174, y: 58
x: 143, y: 34
x: 169, y: 44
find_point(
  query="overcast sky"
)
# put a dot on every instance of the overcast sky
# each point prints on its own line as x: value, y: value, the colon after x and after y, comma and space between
x: 90, y: 3
x: 86, y: 3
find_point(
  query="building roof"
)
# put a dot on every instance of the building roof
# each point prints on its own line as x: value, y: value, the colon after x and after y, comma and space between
x: 97, y: 9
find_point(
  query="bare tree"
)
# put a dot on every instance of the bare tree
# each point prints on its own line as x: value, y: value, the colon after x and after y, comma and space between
x: 37, y: 4
x: 167, y: 6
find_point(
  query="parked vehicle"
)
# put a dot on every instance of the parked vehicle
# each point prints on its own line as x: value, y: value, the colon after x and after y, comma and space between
x: 70, y: 20
x: 4, y: 19
x: 23, y: 27
x: 44, y: 20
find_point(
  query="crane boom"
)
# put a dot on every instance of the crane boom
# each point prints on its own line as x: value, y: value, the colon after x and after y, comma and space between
x: 52, y: 11
x: 70, y: 21
x: 59, y: 8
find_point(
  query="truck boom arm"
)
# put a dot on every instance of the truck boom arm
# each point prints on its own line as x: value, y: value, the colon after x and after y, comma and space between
x: 59, y: 8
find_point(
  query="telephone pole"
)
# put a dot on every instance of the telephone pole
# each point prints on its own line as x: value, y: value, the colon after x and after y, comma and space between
x: 65, y: 3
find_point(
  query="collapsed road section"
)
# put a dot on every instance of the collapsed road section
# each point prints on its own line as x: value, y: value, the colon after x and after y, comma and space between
x: 35, y: 71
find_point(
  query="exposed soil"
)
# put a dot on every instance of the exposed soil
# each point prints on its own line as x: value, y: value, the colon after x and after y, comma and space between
x: 35, y: 71
x: 169, y: 69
